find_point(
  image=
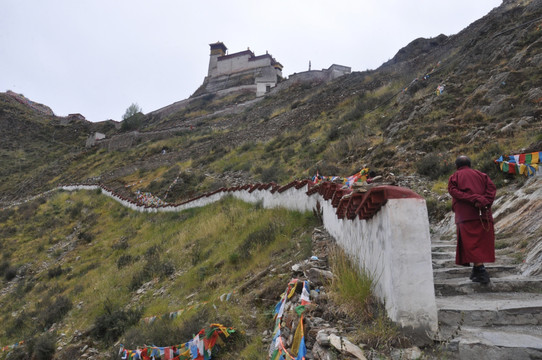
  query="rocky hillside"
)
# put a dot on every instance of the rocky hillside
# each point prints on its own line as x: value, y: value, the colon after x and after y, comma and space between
x: 392, y: 119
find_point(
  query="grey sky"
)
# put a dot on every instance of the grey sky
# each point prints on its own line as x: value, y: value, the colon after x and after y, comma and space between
x: 96, y: 57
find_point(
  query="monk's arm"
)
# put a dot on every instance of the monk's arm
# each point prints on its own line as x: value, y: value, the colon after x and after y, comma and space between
x: 491, y: 191
x: 460, y: 195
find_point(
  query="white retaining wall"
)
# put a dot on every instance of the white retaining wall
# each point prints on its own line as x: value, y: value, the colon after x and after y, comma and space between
x: 393, y: 247
x: 291, y: 199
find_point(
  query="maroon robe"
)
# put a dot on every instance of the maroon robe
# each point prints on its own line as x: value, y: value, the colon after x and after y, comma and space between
x: 472, y: 194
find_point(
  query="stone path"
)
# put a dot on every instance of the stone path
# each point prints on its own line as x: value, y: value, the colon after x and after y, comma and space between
x: 500, y: 320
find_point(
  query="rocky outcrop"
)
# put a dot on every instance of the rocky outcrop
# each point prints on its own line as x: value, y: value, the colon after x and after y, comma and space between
x: 40, y: 108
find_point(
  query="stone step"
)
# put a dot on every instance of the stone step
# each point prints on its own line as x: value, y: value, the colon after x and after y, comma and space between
x: 499, y: 343
x: 442, y: 255
x: 513, y: 283
x: 439, y: 249
x: 449, y: 253
x: 437, y: 241
x: 451, y: 246
x: 447, y: 262
x: 442, y: 246
x: 443, y: 263
x: 450, y: 262
x: 464, y: 271
x: 490, y: 309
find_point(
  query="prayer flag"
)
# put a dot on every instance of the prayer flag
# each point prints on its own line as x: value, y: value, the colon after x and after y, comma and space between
x: 305, y: 295
x: 278, y: 306
x: 275, y: 354
x: 201, y: 347
x: 511, y: 168
x: 275, y: 343
x: 297, y: 336
x: 282, y: 306
x: 210, y: 342
x: 300, y: 309
x: 168, y: 353
x: 193, y: 349
x: 302, y: 350
x: 292, y: 291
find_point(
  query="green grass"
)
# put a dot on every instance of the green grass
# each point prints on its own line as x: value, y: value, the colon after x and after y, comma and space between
x: 182, y: 258
x: 351, y: 288
x: 500, y: 244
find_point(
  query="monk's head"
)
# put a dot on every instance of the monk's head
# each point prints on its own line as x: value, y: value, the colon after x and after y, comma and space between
x: 461, y: 161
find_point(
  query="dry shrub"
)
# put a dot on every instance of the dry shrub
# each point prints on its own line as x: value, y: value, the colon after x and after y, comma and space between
x: 69, y: 353
x: 110, y: 325
x: 381, y: 333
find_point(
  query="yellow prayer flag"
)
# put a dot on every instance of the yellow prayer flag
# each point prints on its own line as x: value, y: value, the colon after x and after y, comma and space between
x: 535, y: 159
x: 292, y: 292
x: 186, y: 353
x: 222, y: 328
x: 297, y: 337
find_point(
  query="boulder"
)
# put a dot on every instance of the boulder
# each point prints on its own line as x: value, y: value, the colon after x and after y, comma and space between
x: 322, y: 338
x: 345, y: 346
x: 407, y: 354
x: 318, y: 276
x: 534, y: 94
x: 509, y: 129
x: 319, y: 353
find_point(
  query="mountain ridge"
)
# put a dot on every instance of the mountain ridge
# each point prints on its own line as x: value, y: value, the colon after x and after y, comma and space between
x: 388, y: 111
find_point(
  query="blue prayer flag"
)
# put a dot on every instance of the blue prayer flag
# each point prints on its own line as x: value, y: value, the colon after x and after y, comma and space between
x: 302, y: 350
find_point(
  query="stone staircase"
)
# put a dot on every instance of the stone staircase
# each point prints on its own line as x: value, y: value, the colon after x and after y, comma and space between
x: 500, y: 320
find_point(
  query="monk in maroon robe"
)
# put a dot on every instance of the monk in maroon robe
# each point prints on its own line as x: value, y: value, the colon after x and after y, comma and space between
x: 473, y: 193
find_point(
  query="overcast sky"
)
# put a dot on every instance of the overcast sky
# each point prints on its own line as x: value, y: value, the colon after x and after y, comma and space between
x: 96, y: 57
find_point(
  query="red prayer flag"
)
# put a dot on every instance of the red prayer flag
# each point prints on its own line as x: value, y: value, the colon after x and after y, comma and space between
x: 210, y: 342
x: 168, y: 353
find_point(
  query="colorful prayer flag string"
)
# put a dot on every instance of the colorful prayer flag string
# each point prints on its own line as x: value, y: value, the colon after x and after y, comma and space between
x: 298, y: 350
x: 522, y: 164
x: 10, y: 347
x: 348, y: 182
x: 200, y: 347
x: 148, y: 199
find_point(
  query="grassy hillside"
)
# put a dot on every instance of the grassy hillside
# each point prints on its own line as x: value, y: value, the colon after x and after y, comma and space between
x: 33, y: 147
x: 81, y: 262
x: 391, y: 119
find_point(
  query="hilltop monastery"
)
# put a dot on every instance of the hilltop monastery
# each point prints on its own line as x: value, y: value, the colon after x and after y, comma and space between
x: 259, y: 73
